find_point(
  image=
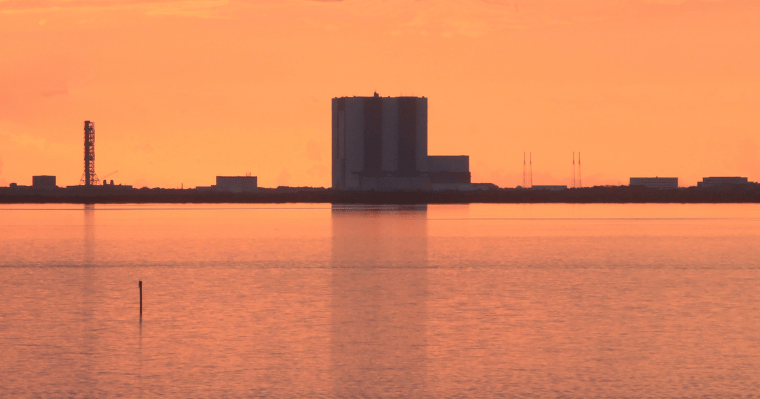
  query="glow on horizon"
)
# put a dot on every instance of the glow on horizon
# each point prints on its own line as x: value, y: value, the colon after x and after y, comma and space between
x: 181, y: 91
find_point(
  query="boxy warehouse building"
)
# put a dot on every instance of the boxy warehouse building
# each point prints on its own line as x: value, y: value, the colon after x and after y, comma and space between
x: 236, y: 184
x: 722, y: 182
x: 655, y: 182
x: 43, y: 181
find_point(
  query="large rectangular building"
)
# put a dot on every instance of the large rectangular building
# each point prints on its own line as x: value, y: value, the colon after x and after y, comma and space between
x: 236, y: 184
x: 655, y: 182
x: 380, y: 143
x: 722, y: 182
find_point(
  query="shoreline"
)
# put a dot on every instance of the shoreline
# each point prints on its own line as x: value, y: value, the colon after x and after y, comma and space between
x: 593, y: 195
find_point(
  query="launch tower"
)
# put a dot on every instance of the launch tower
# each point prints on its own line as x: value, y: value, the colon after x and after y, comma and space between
x: 89, y: 178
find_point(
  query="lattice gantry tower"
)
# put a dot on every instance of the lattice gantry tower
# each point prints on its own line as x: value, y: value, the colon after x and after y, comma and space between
x: 89, y: 178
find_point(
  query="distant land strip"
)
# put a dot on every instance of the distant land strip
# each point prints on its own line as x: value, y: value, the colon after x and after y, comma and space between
x: 747, y: 193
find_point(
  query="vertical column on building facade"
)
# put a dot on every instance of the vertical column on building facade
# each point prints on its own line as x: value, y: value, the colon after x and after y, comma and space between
x: 373, y: 144
x: 354, y: 127
x: 421, y: 135
x: 338, y: 143
x: 390, y: 134
x: 407, y: 135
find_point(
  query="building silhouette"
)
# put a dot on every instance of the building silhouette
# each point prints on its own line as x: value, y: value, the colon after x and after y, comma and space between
x: 236, y: 184
x: 722, y: 182
x: 655, y: 182
x: 380, y: 143
x: 233, y: 184
x: 43, y: 181
x: 549, y: 187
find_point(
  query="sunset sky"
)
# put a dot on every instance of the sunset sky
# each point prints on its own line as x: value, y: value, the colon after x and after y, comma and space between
x: 181, y: 91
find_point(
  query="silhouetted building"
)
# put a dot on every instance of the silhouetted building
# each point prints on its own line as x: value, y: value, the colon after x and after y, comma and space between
x: 549, y: 187
x: 655, y: 182
x: 721, y: 182
x: 236, y: 184
x: 380, y: 143
x: 43, y: 181
x: 448, y: 171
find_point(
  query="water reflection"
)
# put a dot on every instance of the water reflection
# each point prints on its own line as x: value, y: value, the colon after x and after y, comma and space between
x: 450, y: 301
x: 88, y: 338
x: 379, y: 284
x: 89, y: 234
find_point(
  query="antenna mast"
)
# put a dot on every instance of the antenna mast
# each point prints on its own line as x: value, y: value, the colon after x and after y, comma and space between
x: 573, y: 169
x: 530, y: 182
x: 580, y: 182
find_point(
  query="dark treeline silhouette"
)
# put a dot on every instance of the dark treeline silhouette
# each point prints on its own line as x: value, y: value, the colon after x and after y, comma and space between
x: 747, y: 193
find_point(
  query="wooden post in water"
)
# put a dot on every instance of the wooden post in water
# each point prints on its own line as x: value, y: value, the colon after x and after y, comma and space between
x: 140, y: 285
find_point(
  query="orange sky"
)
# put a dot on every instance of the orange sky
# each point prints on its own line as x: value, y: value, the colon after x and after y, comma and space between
x: 181, y: 91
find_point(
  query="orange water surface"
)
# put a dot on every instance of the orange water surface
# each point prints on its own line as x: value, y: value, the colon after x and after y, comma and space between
x: 539, y: 300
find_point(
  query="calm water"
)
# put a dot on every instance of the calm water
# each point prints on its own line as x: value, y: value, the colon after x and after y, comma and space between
x: 436, y: 301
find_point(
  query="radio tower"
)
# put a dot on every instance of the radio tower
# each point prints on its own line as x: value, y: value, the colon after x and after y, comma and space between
x: 89, y: 178
x: 580, y: 182
x: 530, y: 182
x: 573, y: 169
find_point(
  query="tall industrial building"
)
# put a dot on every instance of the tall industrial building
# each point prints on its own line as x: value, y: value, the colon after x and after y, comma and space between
x: 380, y: 143
x: 89, y: 178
